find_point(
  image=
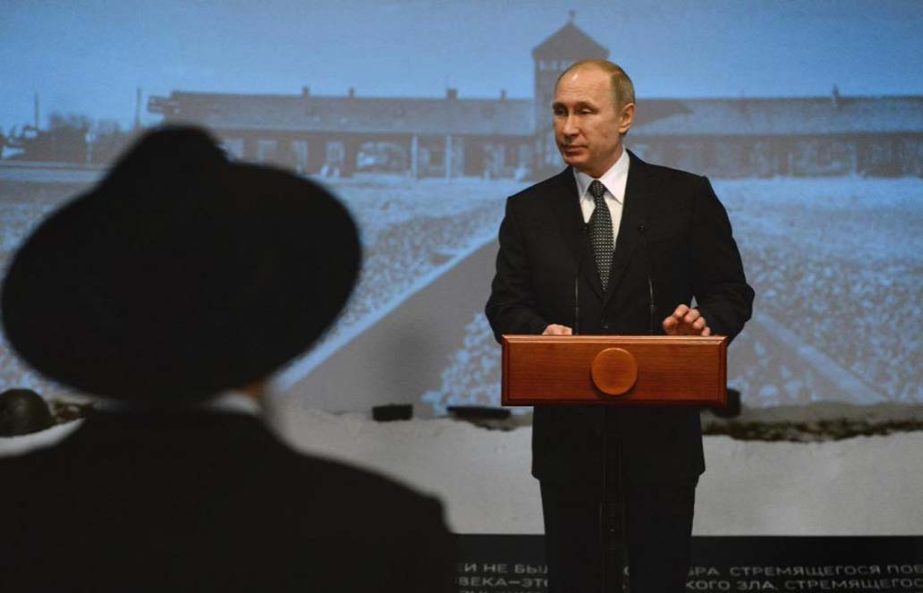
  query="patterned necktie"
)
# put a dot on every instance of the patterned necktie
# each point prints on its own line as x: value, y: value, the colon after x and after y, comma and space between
x: 601, y: 232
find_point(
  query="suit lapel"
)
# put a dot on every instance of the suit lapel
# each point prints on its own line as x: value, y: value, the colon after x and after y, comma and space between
x: 634, y: 213
x: 573, y: 229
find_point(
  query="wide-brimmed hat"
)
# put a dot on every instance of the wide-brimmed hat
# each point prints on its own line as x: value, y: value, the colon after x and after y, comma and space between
x: 180, y: 275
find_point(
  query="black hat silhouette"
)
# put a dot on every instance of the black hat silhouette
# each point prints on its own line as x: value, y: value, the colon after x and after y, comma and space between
x: 180, y: 275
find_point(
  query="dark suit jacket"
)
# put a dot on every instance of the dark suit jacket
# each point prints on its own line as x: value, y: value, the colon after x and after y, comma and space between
x: 673, y: 230
x: 193, y: 501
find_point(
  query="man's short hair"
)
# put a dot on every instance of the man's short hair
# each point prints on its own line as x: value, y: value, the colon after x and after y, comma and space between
x: 623, y: 90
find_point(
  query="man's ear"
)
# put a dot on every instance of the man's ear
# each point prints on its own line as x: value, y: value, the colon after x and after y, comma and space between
x: 626, y: 118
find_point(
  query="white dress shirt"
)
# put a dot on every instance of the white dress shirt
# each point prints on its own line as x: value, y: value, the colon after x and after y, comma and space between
x: 614, y: 181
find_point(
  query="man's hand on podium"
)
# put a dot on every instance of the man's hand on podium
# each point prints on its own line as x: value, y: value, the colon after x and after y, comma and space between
x: 686, y: 322
x: 557, y: 330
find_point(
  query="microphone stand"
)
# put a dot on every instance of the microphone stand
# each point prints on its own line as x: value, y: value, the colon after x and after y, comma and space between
x: 608, y: 517
x: 612, y: 513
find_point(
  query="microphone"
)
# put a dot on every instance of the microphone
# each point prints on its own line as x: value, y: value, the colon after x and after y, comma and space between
x: 642, y: 231
x: 586, y: 230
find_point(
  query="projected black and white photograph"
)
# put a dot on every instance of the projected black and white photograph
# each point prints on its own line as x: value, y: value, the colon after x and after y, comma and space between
x: 422, y: 118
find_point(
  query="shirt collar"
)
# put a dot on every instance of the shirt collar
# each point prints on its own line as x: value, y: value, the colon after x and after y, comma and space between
x: 610, y: 179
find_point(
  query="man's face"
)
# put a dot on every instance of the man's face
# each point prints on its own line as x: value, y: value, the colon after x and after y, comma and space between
x: 587, y: 123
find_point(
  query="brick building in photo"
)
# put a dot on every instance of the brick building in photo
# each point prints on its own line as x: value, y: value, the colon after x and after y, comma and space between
x: 454, y: 136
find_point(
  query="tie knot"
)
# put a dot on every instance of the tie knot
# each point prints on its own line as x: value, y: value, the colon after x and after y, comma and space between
x: 597, y: 189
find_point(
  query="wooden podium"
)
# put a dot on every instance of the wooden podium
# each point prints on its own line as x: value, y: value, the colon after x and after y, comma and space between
x: 614, y: 370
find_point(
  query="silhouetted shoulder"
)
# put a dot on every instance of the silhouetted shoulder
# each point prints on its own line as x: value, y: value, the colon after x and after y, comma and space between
x: 375, y: 500
x: 216, y: 502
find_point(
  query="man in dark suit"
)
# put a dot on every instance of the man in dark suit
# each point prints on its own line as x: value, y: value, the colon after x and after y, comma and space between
x: 613, y: 245
x: 180, y: 277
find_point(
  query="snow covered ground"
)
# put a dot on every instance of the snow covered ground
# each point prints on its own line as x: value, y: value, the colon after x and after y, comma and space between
x: 815, y: 250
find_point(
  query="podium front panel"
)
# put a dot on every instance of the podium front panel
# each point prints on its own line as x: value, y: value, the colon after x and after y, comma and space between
x: 596, y: 370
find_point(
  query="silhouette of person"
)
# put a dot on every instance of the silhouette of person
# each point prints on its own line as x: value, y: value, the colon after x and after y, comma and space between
x: 179, y: 277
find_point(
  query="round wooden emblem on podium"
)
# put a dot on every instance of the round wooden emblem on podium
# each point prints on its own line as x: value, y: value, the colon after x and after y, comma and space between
x: 614, y: 371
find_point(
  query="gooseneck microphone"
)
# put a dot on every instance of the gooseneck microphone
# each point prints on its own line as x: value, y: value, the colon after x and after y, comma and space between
x: 585, y: 230
x: 642, y: 231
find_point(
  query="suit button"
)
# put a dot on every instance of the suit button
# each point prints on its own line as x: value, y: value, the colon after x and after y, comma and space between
x: 605, y: 326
